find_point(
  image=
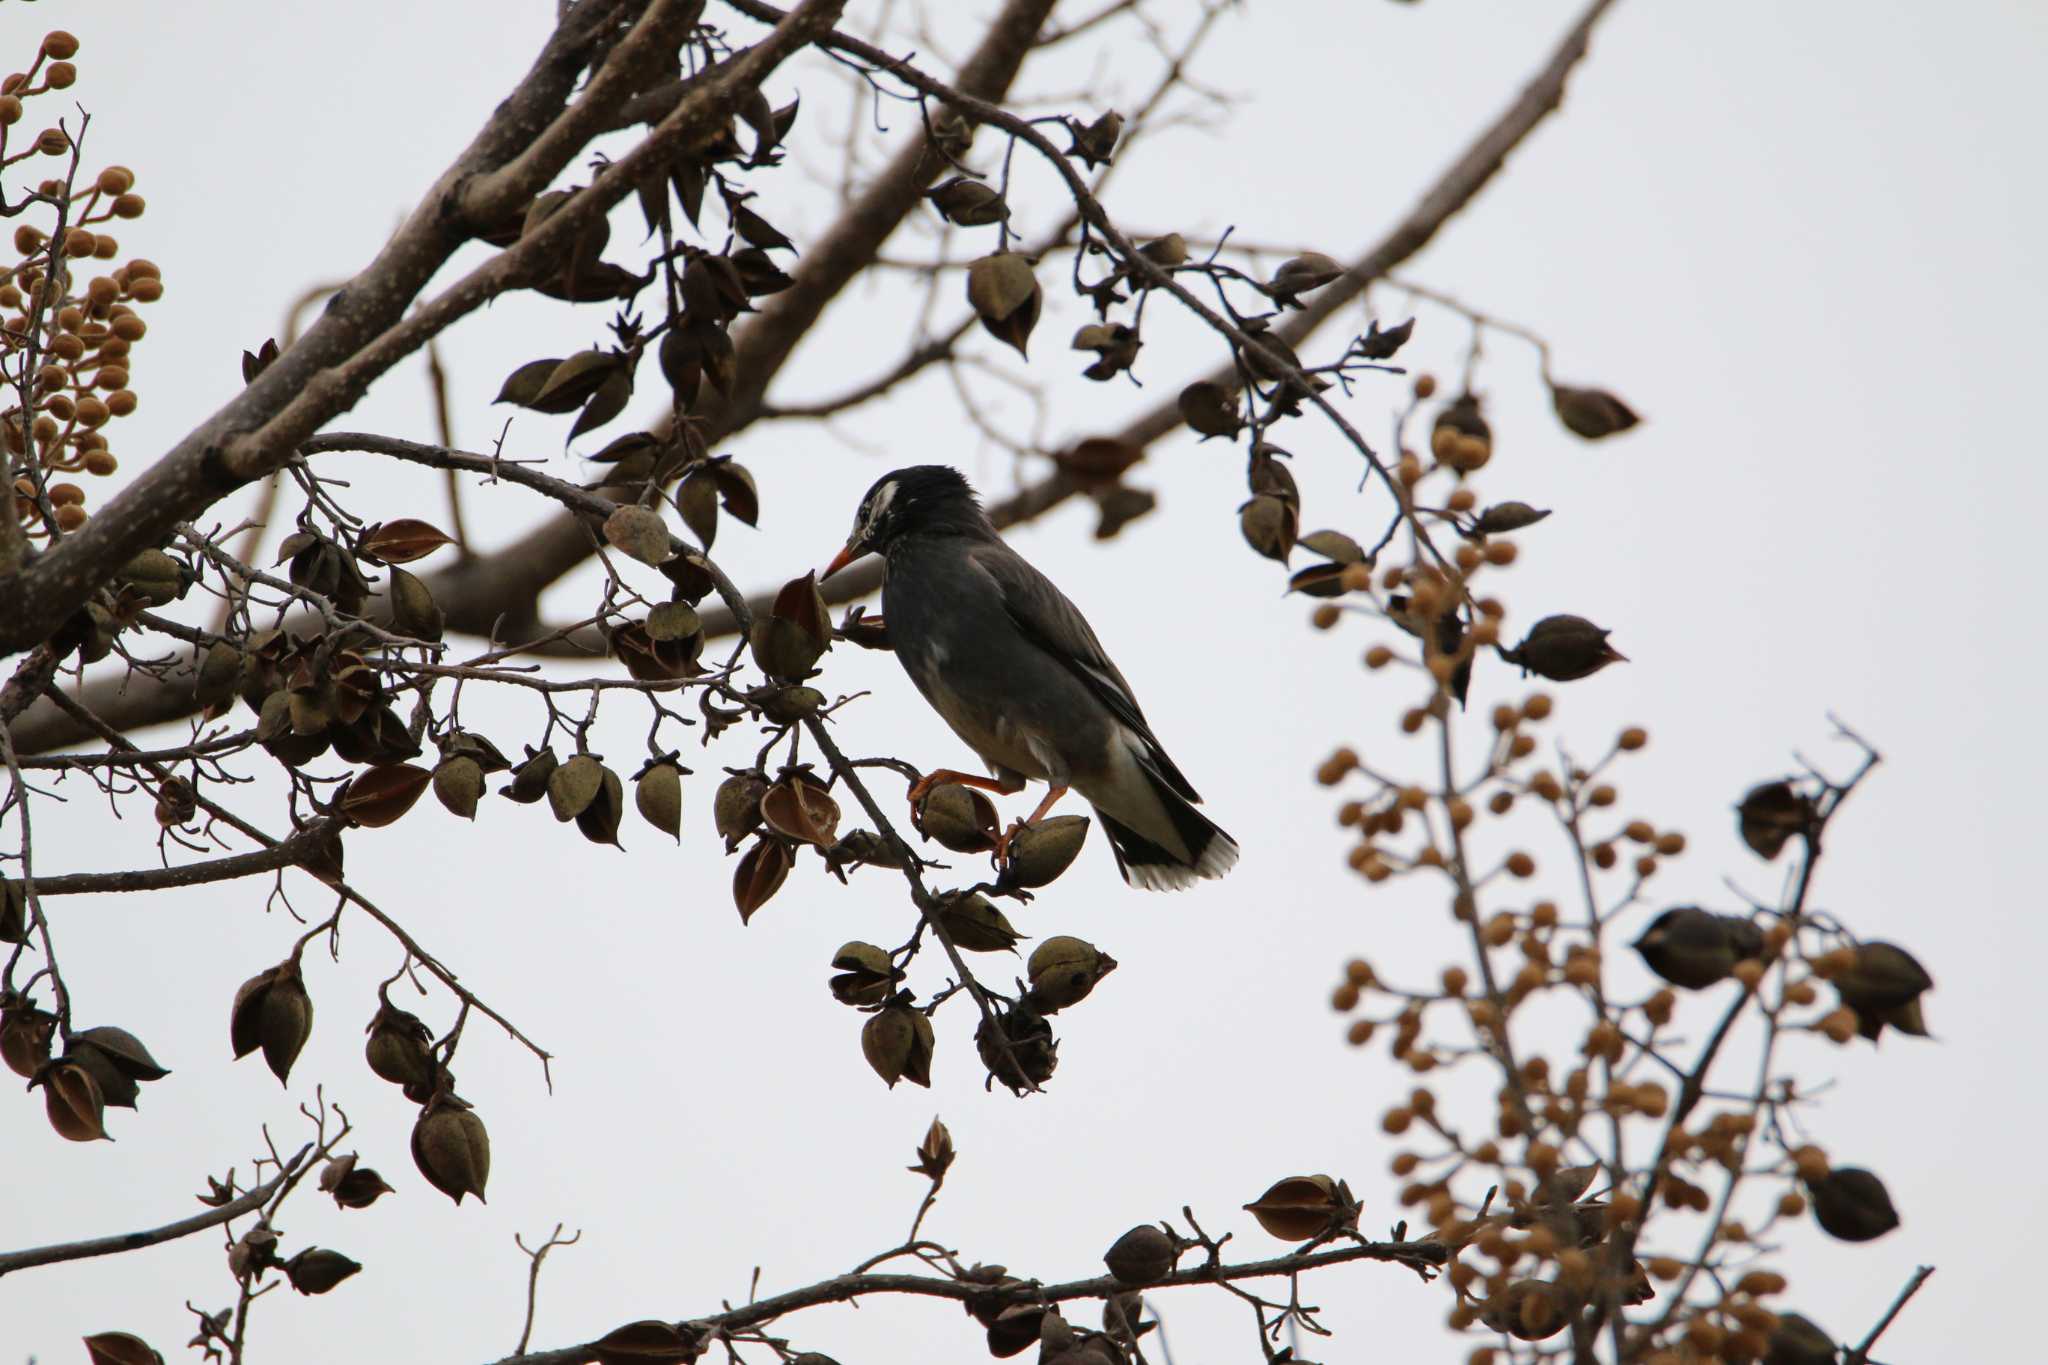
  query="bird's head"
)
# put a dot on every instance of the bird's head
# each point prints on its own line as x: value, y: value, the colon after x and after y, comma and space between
x: 918, y: 498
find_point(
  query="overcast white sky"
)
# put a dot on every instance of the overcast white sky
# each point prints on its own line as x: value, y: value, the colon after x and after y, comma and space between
x: 1802, y: 239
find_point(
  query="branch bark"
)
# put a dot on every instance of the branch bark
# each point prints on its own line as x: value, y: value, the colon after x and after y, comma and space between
x: 486, y: 589
x: 11, y: 1261
x: 845, y: 1288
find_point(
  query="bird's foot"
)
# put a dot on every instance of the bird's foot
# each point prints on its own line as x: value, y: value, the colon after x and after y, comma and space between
x: 1003, y: 840
x: 938, y: 777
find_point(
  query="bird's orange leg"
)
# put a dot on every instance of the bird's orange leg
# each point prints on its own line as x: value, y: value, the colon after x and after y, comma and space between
x: 940, y: 776
x: 1052, y: 796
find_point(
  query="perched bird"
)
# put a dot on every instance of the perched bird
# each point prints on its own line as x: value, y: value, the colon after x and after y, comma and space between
x: 1014, y: 668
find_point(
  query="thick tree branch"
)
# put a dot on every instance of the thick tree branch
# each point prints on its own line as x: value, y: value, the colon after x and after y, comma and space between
x: 481, y: 591
x: 193, y: 474
x: 285, y: 853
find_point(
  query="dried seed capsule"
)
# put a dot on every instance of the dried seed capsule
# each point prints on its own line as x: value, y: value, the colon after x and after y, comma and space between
x: 451, y: 1147
x: 1142, y: 1255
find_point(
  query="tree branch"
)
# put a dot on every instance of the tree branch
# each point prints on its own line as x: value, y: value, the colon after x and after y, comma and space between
x: 845, y: 1288
x: 477, y: 593
x: 133, y: 1241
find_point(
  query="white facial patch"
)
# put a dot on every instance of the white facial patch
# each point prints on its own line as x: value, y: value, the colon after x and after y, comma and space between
x: 877, y: 508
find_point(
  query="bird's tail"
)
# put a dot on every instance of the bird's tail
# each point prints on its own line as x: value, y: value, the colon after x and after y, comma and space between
x: 1179, y: 847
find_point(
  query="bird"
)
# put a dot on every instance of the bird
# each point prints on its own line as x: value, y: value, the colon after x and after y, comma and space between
x: 1017, y: 672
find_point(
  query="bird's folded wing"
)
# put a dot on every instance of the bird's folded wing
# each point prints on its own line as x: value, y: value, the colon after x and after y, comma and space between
x: 1045, y: 617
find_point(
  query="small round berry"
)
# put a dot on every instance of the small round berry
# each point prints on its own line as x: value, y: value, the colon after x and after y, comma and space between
x: 100, y: 462
x: 1360, y: 1032
x: 1379, y: 656
x: 1633, y: 738
x: 1543, y: 914
x: 60, y: 75
x: 128, y: 327
x: 129, y: 205
x: 1671, y: 843
x: 60, y: 44
x: 10, y: 110
x: 70, y: 517
x: 115, y: 180
x: 140, y: 269
x: 146, y: 291
x: 121, y: 402
x: 92, y: 410
x: 104, y: 247
x: 67, y: 346
x: 1520, y: 864
x: 78, y: 242
x: 1325, y: 617
x: 1425, y: 386
x: 1537, y: 707
x: 1500, y: 552
x: 53, y: 142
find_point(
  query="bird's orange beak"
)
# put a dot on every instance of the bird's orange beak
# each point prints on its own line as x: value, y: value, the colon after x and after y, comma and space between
x: 841, y: 560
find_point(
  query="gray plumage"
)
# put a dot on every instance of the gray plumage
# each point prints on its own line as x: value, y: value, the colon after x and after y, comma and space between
x: 1014, y: 668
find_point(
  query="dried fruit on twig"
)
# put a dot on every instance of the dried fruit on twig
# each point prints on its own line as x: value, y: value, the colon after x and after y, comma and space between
x: 451, y: 1147
x: 1303, y: 274
x: 122, y: 1348
x: 1302, y: 1206
x: 1591, y: 413
x: 1040, y: 853
x: 1017, y: 1047
x: 272, y: 1011
x: 1695, y: 948
x: 760, y: 875
x: 958, y: 816
x: 1564, y: 649
x: 1005, y: 295
x: 1063, y: 970
x: 1144, y: 1254
x: 1769, y: 814
x: 317, y: 1270
x: 1852, y: 1204
x: 1883, y: 985
x: 865, y: 974
x: 400, y: 1049
x: 897, y: 1041
x: 1210, y: 409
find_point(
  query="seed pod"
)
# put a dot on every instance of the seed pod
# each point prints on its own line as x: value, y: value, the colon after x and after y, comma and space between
x: 353, y: 1186
x: 400, y: 1048
x: 1040, y: 853
x: 575, y: 786
x: 737, y: 806
x: 1563, y: 649
x: 1210, y: 409
x: 648, y: 1343
x: 975, y: 925
x: 759, y: 875
x: 599, y: 821
x: 382, y: 795
x: 866, y: 975
x: 1770, y: 814
x: 1063, y: 970
x: 122, y: 1050
x: 897, y: 1041
x: 451, y: 1148
x: 639, y: 532
x: 120, y: 1348
x: 958, y: 816
x: 218, y: 674
x: 1695, y: 948
x: 1591, y: 413
x: 72, y: 1101
x: 1303, y: 274
x: 530, y: 780
x: 968, y: 203
x: 1142, y: 1255
x: 1852, y: 1204
x: 782, y: 648
x: 459, y: 785
x: 117, y: 1089
x: 1018, y: 1328
x: 1797, y: 1341
x: 414, y: 613
x: 272, y: 1011
x: 13, y: 911
x: 317, y: 1270
x: 254, y: 1252
x: 1268, y: 526
x: 1529, y: 1309
x: 25, y: 1034
x: 1018, y: 1048
x: 1883, y: 986
x: 1503, y: 517
x: 468, y: 744
x: 658, y: 795
x: 1005, y: 295
x: 798, y: 807
x: 787, y: 705
x: 155, y: 576
x: 1301, y: 1207
x: 1095, y: 143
